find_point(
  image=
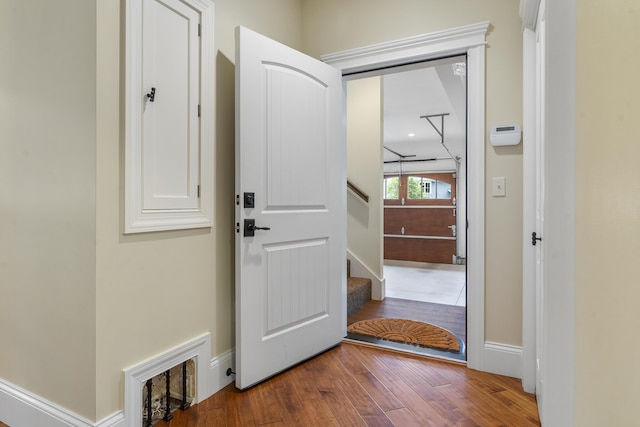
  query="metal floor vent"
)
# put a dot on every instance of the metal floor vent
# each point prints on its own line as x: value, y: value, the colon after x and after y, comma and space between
x: 166, y: 382
x: 167, y: 392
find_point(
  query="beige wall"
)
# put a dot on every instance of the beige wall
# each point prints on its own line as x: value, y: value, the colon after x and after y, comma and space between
x: 47, y: 199
x: 335, y: 25
x: 607, y: 242
x: 364, y: 170
x: 186, y: 275
x: 75, y: 290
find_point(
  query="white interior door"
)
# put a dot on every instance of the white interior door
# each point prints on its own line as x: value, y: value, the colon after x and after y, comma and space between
x: 539, y: 203
x: 290, y: 179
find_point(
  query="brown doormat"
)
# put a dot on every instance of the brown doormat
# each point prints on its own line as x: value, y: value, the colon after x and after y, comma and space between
x: 407, y: 331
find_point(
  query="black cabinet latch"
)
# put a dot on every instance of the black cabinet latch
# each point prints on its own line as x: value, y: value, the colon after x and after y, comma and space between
x: 152, y: 95
x: 535, y: 238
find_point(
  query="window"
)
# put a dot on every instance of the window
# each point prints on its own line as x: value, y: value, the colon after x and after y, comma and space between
x: 392, y: 188
x: 443, y: 190
x: 426, y: 187
x: 420, y: 189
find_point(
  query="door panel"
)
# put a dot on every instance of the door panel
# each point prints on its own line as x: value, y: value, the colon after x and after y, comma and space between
x: 417, y: 225
x: 296, y: 285
x: 419, y: 250
x: 291, y: 277
x: 171, y: 140
x: 296, y: 155
x: 419, y: 221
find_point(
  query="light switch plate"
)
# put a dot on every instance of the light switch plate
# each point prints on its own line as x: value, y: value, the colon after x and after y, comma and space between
x: 499, y: 186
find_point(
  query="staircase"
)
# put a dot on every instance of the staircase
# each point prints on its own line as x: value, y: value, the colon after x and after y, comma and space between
x: 358, y: 291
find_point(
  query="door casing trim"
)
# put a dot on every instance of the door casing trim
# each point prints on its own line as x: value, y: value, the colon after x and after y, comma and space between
x: 469, y: 40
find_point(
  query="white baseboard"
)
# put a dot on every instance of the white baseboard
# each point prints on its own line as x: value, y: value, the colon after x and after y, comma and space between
x: 114, y: 420
x: 359, y: 269
x: 218, y: 378
x: 21, y: 408
x: 502, y: 359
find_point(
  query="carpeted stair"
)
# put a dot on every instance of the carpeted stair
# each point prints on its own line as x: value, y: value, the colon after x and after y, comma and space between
x: 358, y: 291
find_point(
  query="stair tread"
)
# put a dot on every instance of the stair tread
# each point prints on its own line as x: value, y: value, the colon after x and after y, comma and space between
x: 357, y: 282
x: 358, y: 293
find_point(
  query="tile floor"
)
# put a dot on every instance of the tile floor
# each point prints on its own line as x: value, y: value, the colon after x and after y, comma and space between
x: 436, y: 283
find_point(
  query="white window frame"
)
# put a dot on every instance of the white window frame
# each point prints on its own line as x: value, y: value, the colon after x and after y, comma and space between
x: 426, y: 183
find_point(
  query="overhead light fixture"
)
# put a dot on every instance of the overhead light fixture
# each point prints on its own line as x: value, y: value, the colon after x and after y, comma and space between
x: 412, y: 135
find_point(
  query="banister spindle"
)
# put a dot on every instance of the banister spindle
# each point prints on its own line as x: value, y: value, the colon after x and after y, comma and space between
x: 184, y: 404
x: 149, y: 410
x: 167, y: 414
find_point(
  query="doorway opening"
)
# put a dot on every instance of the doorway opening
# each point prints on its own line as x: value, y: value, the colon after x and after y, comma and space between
x: 360, y: 62
x: 424, y: 152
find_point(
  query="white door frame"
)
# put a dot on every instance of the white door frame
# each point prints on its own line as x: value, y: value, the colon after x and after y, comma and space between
x: 529, y: 12
x: 555, y: 331
x: 469, y: 40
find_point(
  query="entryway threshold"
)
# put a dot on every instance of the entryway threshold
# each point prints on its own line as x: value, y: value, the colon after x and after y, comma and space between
x: 447, y: 356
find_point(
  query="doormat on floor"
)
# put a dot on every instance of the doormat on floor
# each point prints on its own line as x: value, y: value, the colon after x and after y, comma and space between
x: 407, y: 331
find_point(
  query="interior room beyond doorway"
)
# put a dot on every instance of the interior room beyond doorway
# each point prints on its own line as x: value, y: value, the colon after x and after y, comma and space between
x: 426, y: 282
x: 423, y: 166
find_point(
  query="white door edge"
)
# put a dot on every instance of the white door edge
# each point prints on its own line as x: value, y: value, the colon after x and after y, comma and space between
x: 528, y: 209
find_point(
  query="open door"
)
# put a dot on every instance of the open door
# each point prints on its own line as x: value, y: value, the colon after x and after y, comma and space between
x: 539, y: 207
x: 534, y: 194
x: 290, y: 208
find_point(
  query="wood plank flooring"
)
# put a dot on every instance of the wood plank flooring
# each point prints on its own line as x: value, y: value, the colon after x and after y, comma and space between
x: 354, y: 385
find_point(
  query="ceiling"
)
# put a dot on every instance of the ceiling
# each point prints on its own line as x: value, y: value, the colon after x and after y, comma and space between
x: 425, y: 89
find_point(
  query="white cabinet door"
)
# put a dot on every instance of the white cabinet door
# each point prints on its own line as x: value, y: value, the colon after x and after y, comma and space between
x: 169, y: 115
x: 170, y: 139
x: 290, y: 153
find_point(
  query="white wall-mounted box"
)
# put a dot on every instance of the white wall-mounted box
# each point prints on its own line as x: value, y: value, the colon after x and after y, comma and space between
x: 505, y: 135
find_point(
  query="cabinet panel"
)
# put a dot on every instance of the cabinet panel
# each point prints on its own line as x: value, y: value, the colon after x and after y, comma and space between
x: 170, y: 139
x: 169, y: 115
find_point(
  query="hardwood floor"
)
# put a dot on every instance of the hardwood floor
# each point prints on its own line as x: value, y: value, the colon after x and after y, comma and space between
x: 450, y: 317
x: 353, y: 385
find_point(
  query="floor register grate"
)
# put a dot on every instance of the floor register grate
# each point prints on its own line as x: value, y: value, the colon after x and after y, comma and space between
x: 167, y: 392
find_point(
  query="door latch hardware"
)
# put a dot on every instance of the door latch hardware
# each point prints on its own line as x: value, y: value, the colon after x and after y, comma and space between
x: 535, y: 238
x: 250, y: 227
x: 152, y: 95
x: 249, y: 200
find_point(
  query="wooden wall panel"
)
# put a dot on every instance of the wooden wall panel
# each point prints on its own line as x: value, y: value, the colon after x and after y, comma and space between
x: 428, y: 217
x: 421, y: 250
x: 419, y: 221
